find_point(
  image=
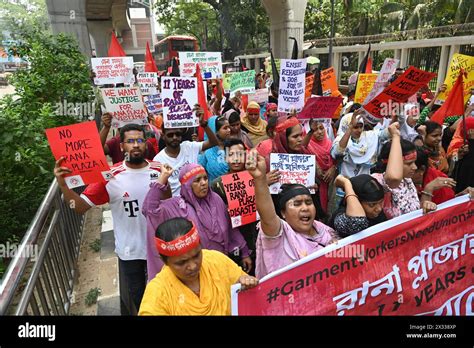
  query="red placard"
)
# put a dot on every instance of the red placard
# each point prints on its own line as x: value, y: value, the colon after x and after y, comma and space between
x: 240, y: 192
x: 84, y: 155
x: 397, y: 92
x: 413, y: 264
x: 319, y: 107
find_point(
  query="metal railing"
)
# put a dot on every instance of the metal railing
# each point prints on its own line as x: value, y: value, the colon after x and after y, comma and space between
x: 39, y: 279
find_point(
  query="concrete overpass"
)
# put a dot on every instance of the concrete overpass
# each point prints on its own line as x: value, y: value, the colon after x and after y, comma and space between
x: 92, y: 21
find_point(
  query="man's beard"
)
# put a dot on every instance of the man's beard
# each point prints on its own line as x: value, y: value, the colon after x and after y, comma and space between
x: 134, y: 159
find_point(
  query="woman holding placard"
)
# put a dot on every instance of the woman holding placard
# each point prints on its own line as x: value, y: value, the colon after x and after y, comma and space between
x: 283, y: 241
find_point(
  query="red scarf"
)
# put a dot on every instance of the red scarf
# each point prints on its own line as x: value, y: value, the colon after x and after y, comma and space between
x: 322, y: 150
x: 443, y: 194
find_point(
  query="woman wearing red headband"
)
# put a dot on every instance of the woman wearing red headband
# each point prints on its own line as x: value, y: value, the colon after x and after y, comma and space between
x: 395, y: 171
x: 193, y: 281
x: 197, y: 203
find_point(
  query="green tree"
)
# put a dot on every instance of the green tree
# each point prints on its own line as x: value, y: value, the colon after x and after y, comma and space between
x: 235, y: 25
x: 56, y: 71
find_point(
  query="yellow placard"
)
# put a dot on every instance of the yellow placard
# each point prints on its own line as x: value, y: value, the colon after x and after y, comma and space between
x: 364, y: 86
x: 459, y: 61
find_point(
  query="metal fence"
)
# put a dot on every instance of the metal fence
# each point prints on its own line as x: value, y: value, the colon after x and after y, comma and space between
x: 39, y: 280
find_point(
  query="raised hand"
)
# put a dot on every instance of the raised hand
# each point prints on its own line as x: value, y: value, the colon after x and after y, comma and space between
x: 107, y: 119
x: 394, y: 129
x: 59, y: 172
x: 256, y: 165
x: 165, y: 172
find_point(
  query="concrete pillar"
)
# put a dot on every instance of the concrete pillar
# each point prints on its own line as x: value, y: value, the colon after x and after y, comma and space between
x: 453, y: 49
x: 100, y: 32
x: 397, y: 54
x: 361, y: 58
x: 286, y: 19
x: 257, y: 65
x: 247, y: 63
x: 70, y: 17
x: 404, y: 58
x: 443, y: 65
x: 336, y: 63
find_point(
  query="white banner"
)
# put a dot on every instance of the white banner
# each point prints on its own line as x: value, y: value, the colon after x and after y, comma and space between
x: 294, y: 169
x: 126, y: 106
x: 209, y: 62
x: 147, y: 82
x: 388, y: 68
x: 113, y: 70
x: 179, y: 94
x: 292, y: 85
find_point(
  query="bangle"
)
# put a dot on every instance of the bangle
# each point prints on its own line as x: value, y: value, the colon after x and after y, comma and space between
x: 350, y: 195
x: 426, y: 193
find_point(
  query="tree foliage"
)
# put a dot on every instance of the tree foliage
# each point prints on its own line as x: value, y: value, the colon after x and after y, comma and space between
x: 231, y: 25
x: 56, y: 71
x: 369, y: 17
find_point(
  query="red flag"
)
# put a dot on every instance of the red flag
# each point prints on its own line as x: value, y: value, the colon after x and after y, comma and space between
x: 454, y: 103
x: 201, y: 100
x: 368, y: 67
x: 115, y: 49
x: 150, y: 65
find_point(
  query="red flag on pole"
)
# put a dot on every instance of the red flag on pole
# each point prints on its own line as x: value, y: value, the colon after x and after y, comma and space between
x: 201, y: 100
x: 115, y: 49
x: 454, y: 104
x: 150, y: 65
x: 368, y: 67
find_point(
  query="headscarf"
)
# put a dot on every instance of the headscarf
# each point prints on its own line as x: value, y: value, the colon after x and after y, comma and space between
x: 322, y: 150
x: 270, y: 106
x: 458, y: 138
x: 211, y: 210
x: 280, y: 143
x: 260, y: 128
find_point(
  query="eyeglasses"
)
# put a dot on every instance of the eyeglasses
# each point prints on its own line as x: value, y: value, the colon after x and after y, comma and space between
x: 133, y: 141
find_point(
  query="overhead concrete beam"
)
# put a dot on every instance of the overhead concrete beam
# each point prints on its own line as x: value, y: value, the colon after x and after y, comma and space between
x: 70, y: 17
x: 286, y: 20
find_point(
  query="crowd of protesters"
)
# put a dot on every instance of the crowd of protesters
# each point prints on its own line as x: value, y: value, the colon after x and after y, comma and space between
x: 172, y: 226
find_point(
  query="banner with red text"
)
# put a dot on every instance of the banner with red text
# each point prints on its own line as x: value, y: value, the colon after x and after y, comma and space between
x: 397, y: 92
x: 83, y: 153
x: 411, y: 265
x: 113, y: 70
x: 240, y: 192
x: 125, y: 104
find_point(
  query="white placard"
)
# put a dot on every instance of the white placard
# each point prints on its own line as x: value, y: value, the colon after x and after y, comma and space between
x: 294, y: 169
x: 113, y: 70
x: 126, y: 106
x: 147, y: 82
x: 292, y: 85
x: 388, y: 68
x: 179, y: 94
x: 210, y: 64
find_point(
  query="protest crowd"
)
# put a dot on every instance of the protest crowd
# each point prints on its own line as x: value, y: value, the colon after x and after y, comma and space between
x: 218, y: 182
